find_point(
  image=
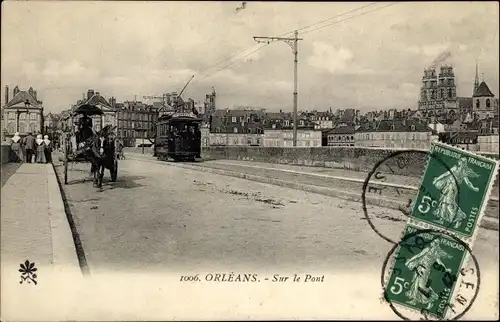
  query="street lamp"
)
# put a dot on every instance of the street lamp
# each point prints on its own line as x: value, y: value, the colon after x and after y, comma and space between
x: 19, y: 111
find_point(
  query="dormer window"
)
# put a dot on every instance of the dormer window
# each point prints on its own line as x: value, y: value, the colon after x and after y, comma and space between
x: 478, y: 104
x: 488, y: 103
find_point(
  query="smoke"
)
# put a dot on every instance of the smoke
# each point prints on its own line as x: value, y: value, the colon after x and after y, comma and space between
x: 440, y: 58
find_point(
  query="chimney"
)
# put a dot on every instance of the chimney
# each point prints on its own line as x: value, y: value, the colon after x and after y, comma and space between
x: 90, y: 93
x: 97, y: 94
x: 6, y: 94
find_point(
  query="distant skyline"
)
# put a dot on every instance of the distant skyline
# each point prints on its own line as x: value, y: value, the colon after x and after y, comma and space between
x: 125, y: 49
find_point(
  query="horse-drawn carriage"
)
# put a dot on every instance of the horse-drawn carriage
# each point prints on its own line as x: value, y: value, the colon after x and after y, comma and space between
x: 84, y: 144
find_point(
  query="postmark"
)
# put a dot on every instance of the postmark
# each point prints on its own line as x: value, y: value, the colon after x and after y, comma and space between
x: 429, y: 275
x: 395, y: 165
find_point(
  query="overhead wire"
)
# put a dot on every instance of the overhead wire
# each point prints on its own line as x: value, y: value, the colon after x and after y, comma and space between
x: 287, y: 33
x: 362, y: 14
x: 330, y: 24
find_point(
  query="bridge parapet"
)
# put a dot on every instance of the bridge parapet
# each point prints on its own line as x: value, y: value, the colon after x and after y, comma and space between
x: 351, y: 158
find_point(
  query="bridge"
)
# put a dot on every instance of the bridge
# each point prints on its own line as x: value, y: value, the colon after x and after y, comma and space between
x: 221, y: 213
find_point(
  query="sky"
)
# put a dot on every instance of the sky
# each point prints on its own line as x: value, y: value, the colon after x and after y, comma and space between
x: 371, y: 61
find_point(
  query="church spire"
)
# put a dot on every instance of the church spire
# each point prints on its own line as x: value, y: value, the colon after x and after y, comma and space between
x: 476, y: 81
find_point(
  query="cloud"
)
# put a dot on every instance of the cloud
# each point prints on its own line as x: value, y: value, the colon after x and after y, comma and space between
x: 124, y: 49
x: 328, y: 57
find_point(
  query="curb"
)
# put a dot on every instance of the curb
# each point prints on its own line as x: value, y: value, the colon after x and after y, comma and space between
x: 63, y: 247
x: 489, y: 223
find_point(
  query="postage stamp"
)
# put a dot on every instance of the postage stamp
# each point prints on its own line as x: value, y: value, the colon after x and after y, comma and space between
x: 427, y: 275
x: 450, y: 175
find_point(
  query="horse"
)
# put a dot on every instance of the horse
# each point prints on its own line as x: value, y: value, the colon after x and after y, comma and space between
x: 102, y: 155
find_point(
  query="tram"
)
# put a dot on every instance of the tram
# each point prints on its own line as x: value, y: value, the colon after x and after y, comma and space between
x: 178, y: 137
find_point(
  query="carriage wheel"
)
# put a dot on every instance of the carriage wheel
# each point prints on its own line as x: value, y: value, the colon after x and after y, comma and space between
x: 114, y: 170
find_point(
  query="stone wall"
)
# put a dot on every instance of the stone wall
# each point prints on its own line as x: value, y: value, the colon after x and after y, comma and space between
x: 352, y: 158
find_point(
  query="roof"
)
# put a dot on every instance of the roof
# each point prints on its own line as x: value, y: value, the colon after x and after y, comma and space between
x: 399, y: 126
x: 465, y: 102
x: 98, y: 100
x: 342, y: 130
x: 483, y: 91
x: 21, y: 97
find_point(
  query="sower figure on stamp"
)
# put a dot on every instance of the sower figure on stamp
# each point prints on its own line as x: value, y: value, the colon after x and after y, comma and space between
x: 449, y: 184
x: 421, y: 264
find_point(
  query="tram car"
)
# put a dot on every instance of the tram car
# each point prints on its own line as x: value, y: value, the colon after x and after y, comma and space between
x: 178, y: 137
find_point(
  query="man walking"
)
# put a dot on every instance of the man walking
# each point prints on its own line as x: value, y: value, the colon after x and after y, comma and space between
x: 29, y: 145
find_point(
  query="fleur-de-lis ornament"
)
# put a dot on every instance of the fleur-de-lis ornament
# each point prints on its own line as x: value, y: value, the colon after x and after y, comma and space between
x: 27, y: 271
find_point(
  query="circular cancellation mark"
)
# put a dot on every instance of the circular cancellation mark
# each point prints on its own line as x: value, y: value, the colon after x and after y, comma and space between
x: 427, y: 276
x: 400, y: 163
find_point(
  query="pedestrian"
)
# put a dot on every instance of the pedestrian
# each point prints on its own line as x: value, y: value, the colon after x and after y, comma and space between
x: 48, y: 149
x: 29, y: 146
x: 40, y: 149
x: 17, y: 149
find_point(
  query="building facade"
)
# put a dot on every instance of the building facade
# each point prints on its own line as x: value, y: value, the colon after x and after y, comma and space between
x: 136, y: 121
x: 403, y: 134
x: 284, y: 138
x: 341, y: 136
x: 23, y: 112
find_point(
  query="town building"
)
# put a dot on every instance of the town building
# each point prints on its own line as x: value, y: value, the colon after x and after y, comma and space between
x: 278, y: 131
x: 341, y: 136
x: 136, y: 121
x: 109, y: 116
x: 397, y: 133
x: 236, y: 127
x: 23, y: 112
x: 51, y: 125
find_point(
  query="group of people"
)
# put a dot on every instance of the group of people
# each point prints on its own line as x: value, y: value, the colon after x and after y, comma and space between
x: 30, y: 149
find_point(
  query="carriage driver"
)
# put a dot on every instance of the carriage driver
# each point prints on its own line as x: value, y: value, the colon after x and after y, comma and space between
x: 85, y: 130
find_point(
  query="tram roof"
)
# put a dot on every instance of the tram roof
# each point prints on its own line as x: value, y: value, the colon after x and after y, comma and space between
x: 179, y: 118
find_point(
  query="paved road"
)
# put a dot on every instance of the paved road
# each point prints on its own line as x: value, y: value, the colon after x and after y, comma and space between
x: 161, y: 217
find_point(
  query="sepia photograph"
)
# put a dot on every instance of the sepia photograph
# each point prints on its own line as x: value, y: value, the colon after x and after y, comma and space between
x: 256, y: 160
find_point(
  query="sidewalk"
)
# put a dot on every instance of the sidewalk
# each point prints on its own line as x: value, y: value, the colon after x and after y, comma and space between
x: 34, y: 227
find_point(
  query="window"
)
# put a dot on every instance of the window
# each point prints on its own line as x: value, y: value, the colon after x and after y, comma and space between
x: 11, y: 127
x: 450, y: 93
x: 413, y: 127
x: 258, y: 141
x: 12, y: 116
x: 273, y: 126
x: 488, y: 103
x: 235, y: 130
x: 22, y: 127
x: 352, y: 137
x: 233, y: 119
x: 249, y: 141
x: 368, y: 136
x: 478, y: 104
x: 392, y: 127
x: 22, y: 117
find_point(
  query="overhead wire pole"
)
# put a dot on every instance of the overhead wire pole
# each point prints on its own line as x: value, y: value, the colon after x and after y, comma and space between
x: 294, y: 44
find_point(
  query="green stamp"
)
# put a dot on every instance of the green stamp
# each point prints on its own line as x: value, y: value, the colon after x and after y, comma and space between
x: 454, y: 190
x: 425, y: 272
